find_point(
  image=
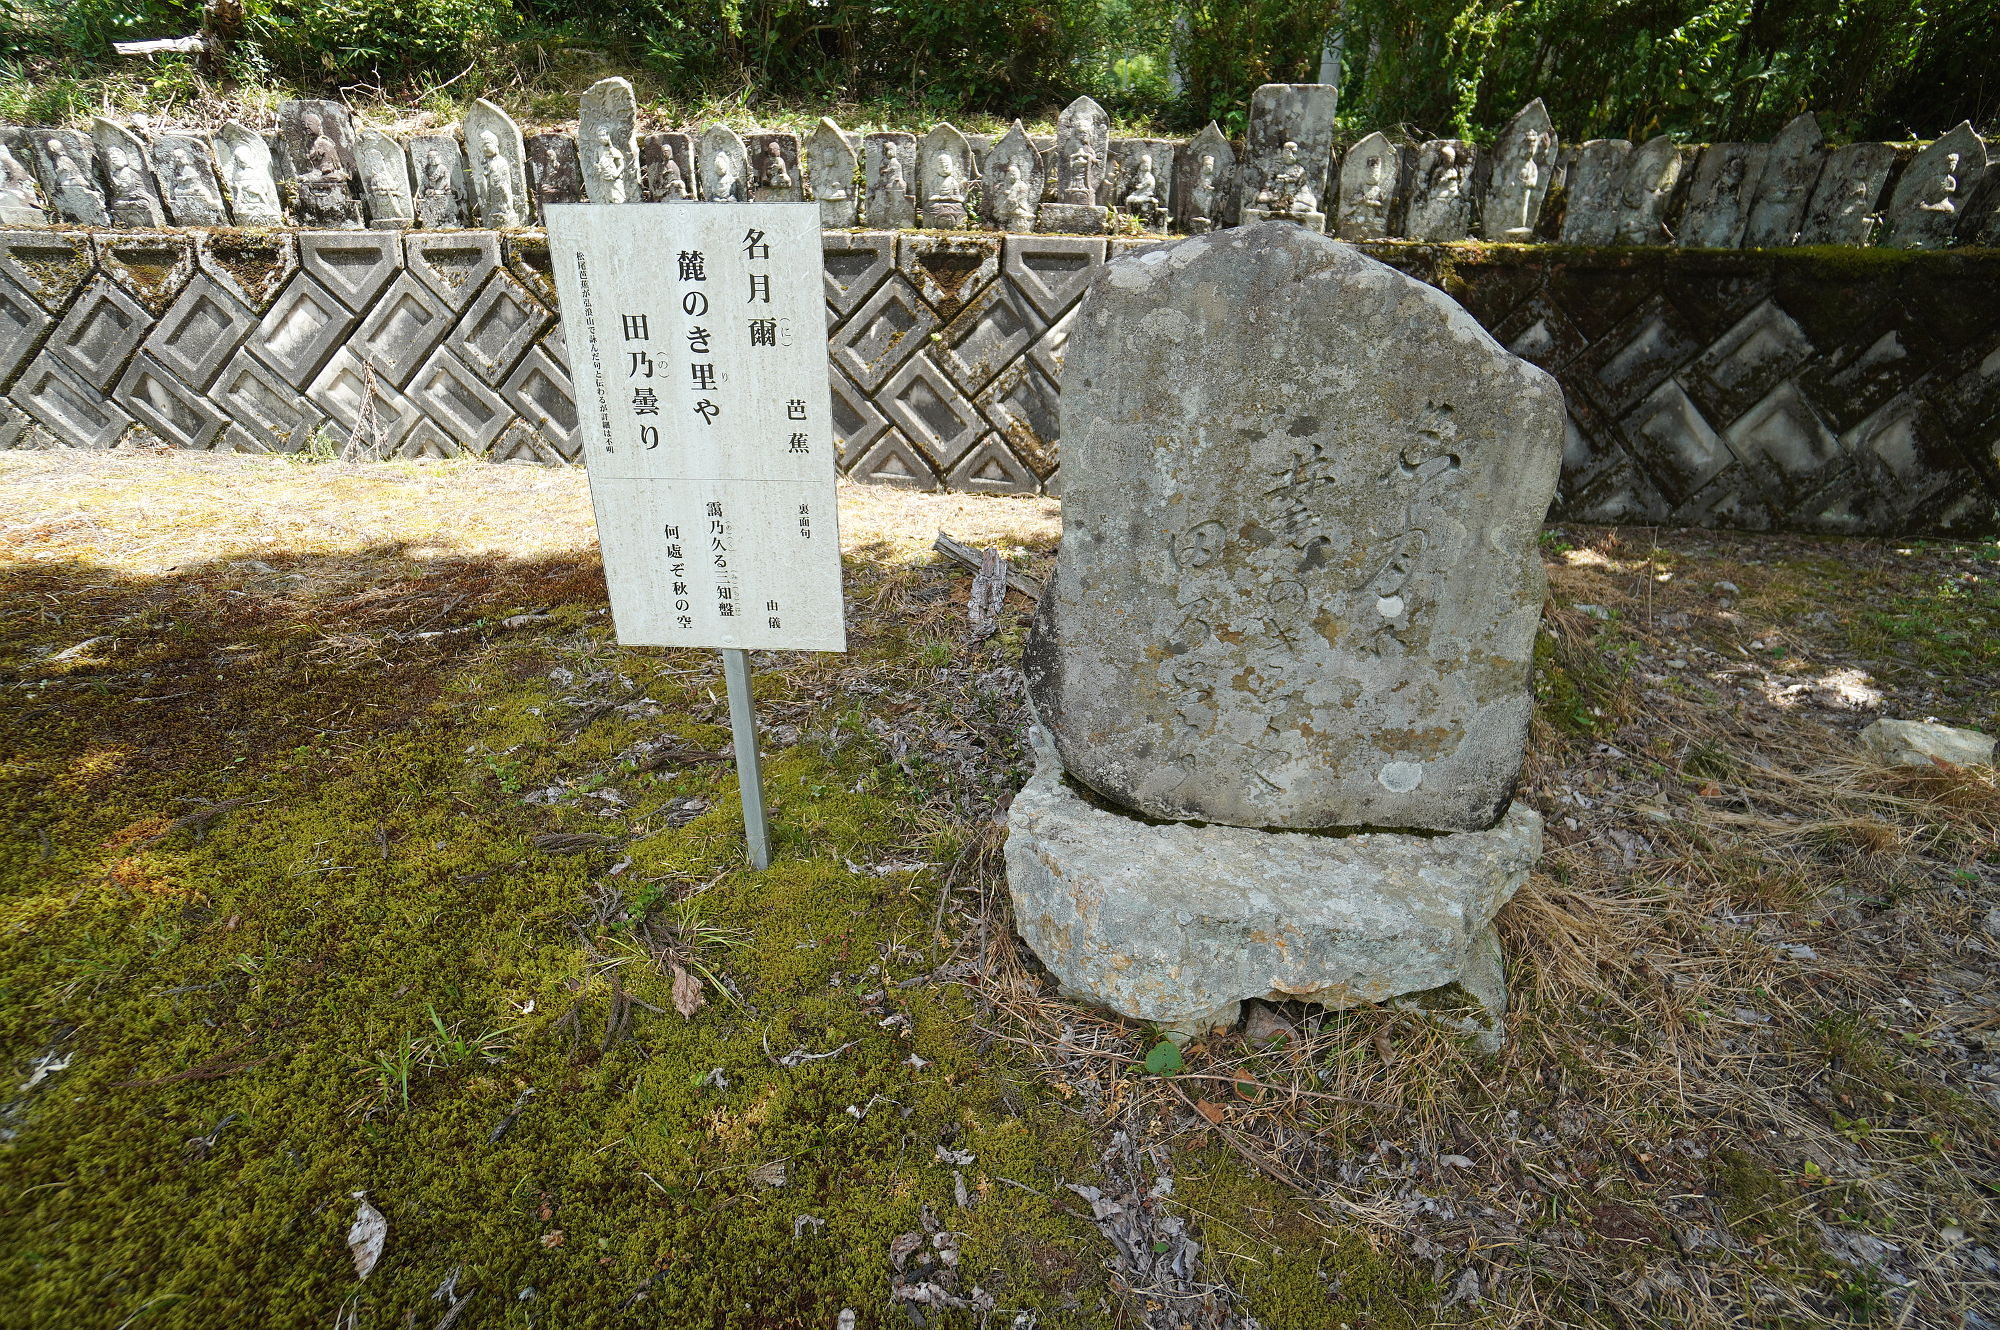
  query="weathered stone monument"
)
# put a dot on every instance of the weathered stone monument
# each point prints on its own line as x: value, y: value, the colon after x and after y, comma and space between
x: 66, y: 159
x: 555, y: 171
x: 724, y: 164
x: 20, y: 200
x: 499, y: 167
x: 666, y: 167
x: 1287, y: 154
x: 607, y: 136
x: 1523, y: 160
x: 1082, y: 150
x: 1930, y: 199
x: 1205, y: 182
x: 385, y: 180
x: 1847, y: 195
x: 185, y: 169
x: 1012, y: 186
x: 944, y: 174
x: 1784, y: 186
x: 1719, y: 195
x: 1371, y: 178
x: 318, y: 137
x: 132, y: 195
x: 1594, y: 182
x: 1650, y: 176
x: 831, y: 163
x: 443, y: 193
x: 1441, y: 199
x: 248, y: 178
x: 1139, y: 182
x: 1282, y: 673
x: 775, y: 175
x: 890, y: 166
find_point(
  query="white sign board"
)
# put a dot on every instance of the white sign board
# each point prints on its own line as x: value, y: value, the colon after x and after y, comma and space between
x: 697, y: 346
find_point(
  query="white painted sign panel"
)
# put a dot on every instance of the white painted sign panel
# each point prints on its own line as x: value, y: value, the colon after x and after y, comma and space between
x: 697, y: 346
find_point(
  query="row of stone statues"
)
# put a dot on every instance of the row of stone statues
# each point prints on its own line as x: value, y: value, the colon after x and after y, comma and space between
x: 319, y: 169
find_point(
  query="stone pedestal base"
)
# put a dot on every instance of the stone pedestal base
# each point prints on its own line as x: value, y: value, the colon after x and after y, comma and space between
x: 943, y: 215
x: 1176, y: 923
x: 1083, y: 219
x: 1311, y: 221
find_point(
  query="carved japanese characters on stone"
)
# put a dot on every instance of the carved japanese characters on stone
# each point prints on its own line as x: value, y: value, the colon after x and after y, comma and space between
x: 187, y: 180
x: 1205, y: 182
x: 830, y: 166
x: 66, y: 158
x: 1299, y: 584
x: 442, y: 189
x: 1441, y: 208
x: 1523, y: 156
x: 606, y: 134
x: 890, y: 163
x: 248, y: 176
x: 499, y: 166
x: 385, y: 181
x: 1783, y: 189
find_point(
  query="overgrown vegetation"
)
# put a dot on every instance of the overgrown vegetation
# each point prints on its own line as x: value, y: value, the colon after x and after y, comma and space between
x: 346, y: 852
x: 1700, y: 69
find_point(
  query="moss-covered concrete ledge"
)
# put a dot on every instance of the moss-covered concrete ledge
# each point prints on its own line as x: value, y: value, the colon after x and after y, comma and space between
x: 1819, y: 389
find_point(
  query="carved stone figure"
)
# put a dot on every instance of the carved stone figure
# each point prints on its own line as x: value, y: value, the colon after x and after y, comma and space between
x: 19, y: 203
x: 443, y: 192
x: 1523, y: 155
x: 65, y: 158
x: 188, y: 182
x: 1083, y: 143
x: 385, y: 181
x: 1650, y: 176
x: 945, y: 162
x: 774, y: 174
x: 830, y: 167
x: 555, y: 169
x: 319, y: 139
x: 1784, y: 188
x: 133, y: 199
x: 248, y: 176
x: 1595, y: 179
x: 498, y: 192
x: 725, y: 166
x: 1845, y: 201
x: 499, y: 166
x: 1929, y: 201
x: 1288, y: 150
x: 607, y: 170
x: 890, y: 159
x: 1719, y: 197
x: 1204, y: 186
x: 606, y: 131
x: 666, y: 168
x: 1370, y: 179
x: 1441, y: 209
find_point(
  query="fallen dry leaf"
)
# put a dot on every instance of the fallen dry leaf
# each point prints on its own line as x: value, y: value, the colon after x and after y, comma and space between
x: 366, y: 1237
x: 1211, y: 1110
x: 688, y: 998
x: 553, y: 1240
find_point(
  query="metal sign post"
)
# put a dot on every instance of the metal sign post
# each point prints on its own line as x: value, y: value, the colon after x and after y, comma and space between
x: 697, y: 342
x: 749, y: 768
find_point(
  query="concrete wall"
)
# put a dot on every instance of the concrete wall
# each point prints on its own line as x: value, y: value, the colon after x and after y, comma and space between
x: 1833, y: 390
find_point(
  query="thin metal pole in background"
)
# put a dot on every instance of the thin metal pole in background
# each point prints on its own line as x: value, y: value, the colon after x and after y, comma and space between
x: 749, y: 771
